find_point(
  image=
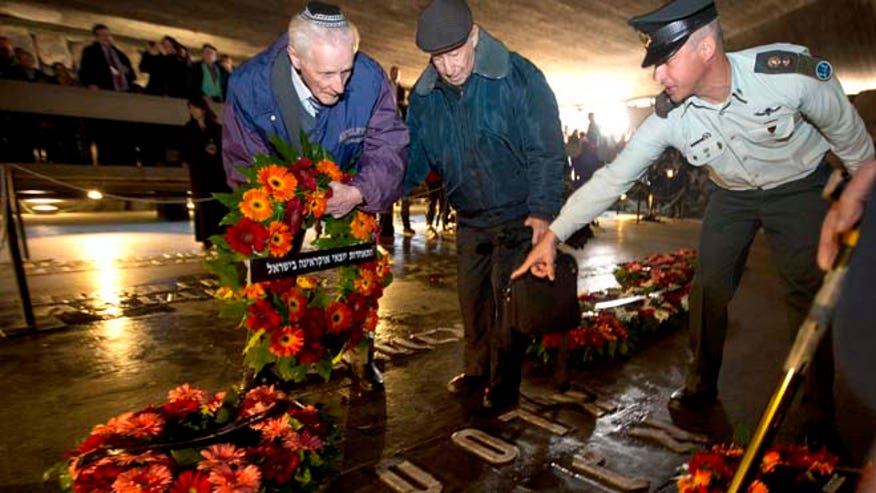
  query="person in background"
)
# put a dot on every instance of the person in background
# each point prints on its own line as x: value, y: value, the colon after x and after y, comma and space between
x: 208, y: 77
x: 762, y: 120
x: 484, y: 118
x: 314, y: 79
x: 202, y: 155
x: 27, y: 68
x: 168, y: 68
x: 62, y: 75
x: 7, y: 56
x: 103, y: 65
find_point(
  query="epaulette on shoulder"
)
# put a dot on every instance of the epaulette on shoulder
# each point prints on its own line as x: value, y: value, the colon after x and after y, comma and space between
x: 789, y: 62
x: 663, y: 105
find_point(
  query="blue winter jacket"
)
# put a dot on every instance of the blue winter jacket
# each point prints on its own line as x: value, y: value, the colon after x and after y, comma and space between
x: 496, y: 141
x: 362, y: 131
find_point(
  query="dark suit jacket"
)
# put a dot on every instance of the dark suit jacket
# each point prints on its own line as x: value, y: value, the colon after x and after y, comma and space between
x: 95, y: 68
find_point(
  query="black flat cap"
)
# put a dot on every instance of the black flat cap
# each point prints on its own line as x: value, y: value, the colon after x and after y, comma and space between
x: 665, y: 30
x: 324, y: 14
x: 443, y: 25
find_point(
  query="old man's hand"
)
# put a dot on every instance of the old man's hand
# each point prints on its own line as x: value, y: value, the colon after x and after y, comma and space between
x: 344, y: 198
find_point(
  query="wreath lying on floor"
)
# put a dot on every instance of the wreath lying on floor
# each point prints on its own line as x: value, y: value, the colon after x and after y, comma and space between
x: 260, y: 441
x: 299, y: 323
x: 661, y: 282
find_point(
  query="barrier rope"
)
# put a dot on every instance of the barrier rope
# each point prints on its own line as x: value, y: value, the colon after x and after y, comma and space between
x: 107, y: 195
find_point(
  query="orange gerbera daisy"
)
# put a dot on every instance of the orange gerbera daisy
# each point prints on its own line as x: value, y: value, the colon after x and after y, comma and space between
x: 362, y: 226
x: 280, y: 242
x: 307, y: 282
x: 316, y: 203
x: 330, y: 169
x: 254, y: 291
x: 256, y: 204
x: 155, y: 478
x: 758, y: 487
x: 279, y: 182
x: 287, y: 341
x: 365, y: 284
x: 297, y: 303
x: 339, y: 317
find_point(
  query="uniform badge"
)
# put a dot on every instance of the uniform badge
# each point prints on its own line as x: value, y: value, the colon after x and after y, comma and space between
x: 823, y: 70
x: 645, y: 38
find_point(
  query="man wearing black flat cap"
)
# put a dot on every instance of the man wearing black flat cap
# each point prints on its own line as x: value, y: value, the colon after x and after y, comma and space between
x: 314, y: 80
x: 761, y: 120
x: 485, y: 120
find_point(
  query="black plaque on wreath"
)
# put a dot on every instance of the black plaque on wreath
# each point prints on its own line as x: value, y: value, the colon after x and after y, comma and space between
x: 294, y: 264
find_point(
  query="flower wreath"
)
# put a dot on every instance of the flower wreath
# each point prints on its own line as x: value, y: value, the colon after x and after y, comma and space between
x: 298, y: 323
x: 258, y: 441
x: 783, y: 468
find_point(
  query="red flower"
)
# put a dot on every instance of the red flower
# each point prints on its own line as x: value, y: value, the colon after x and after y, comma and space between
x: 191, y: 482
x: 180, y: 407
x: 241, y: 480
x: 280, y: 464
x: 312, y: 353
x: 247, y: 237
x: 339, y: 317
x: 152, y: 479
x: 263, y: 316
x: 306, y: 180
x: 292, y: 214
x: 259, y: 400
x: 313, y: 323
x: 287, y: 341
x: 301, y: 164
x: 296, y: 301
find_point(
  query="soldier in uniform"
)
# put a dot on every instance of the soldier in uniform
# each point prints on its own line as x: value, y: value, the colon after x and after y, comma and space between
x: 761, y: 120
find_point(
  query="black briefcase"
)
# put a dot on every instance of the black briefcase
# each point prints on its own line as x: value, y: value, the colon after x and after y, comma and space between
x: 535, y: 305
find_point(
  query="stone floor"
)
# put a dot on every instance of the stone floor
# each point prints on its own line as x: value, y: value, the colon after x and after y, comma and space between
x: 133, y: 316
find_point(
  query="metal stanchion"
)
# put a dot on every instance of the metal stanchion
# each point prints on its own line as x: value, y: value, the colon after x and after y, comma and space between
x: 19, y: 222
x: 14, y: 250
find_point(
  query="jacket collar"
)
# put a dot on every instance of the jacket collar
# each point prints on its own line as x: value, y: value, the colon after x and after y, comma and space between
x: 491, y: 61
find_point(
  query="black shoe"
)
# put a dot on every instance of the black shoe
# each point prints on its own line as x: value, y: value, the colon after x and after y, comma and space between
x: 690, y: 399
x: 466, y: 384
x: 500, y: 399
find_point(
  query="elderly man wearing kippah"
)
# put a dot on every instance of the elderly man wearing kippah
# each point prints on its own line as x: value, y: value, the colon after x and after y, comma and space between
x: 485, y: 120
x: 761, y: 120
x: 314, y: 79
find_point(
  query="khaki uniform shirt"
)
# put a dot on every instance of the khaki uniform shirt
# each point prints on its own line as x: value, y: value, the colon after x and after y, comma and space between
x: 773, y: 129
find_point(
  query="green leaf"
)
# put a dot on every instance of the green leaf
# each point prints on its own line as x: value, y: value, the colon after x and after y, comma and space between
x: 306, y: 146
x: 290, y: 370
x: 324, y: 368
x: 227, y: 270
x: 223, y: 415
x: 303, y: 476
x: 257, y: 354
x: 233, y: 217
x: 186, y: 457
x: 235, y: 310
x: 742, y: 435
x: 230, y: 200
x: 284, y: 149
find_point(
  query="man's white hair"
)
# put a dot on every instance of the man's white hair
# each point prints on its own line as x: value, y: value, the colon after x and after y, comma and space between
x: 303, y: 33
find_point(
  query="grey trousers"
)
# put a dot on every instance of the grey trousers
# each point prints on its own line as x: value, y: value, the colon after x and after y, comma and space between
x: 486, y: 258
x: 791, y: 216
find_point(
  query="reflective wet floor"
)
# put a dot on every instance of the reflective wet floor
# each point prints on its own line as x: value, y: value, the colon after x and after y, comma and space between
x: 135, y: 318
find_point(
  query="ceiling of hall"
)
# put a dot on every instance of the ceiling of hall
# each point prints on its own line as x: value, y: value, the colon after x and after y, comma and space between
x: 584, y: 46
